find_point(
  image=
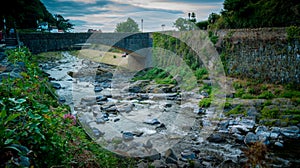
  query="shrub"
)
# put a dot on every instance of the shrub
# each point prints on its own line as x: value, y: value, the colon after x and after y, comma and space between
x: 236, y: 110
x: 256, y: 155
x: 200, y: 72
x: 237, y: 85
x: 239, y: 92
x: 248, y: 96
x: 266, y: 95
x: 270, y: 112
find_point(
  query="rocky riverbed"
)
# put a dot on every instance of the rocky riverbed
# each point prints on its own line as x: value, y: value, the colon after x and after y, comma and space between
x: 162, y: 123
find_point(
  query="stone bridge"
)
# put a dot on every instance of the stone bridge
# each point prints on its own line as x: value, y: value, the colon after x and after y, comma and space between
x: 138, y: 45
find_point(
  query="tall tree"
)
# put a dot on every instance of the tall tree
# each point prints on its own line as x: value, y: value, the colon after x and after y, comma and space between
x: 184, y: 24
x: 62, y: 23
x: 128, y: 26
x: 23, y: 14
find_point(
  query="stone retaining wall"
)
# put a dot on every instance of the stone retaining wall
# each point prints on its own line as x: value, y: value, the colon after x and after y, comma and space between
x: 262, y: 54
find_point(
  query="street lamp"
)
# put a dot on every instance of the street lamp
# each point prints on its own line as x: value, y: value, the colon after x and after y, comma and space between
x: 163, y: 26
x: 142, y: 24
x: 4, y: 28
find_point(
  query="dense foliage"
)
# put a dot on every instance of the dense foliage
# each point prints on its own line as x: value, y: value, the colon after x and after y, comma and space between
x: 178, y: 59
x: 128, y: 26
x: 259, y: 13
x: 24, y: 14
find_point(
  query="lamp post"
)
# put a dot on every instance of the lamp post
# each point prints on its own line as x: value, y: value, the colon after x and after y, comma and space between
x: 142, y: 24
x: 163, y: 26
x: 4, y: 28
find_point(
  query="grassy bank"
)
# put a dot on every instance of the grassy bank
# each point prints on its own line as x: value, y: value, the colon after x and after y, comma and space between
x: 36, y: 130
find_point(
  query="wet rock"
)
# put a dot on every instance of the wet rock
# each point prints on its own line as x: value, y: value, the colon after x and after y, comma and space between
x: 157, y: 164
x: 250, y: 138
x: 248, y: 123
x: 125, y: 108
x: 239, y: 129
x: 85, y: 119
x: 199, y: 111
x: 62, y: 99
x: 217, y: 138
x: 88, y: 101
x: 107, y: 106
x: 275, y: 132
x: 137, y: 133
x: 101, y: 98
x: 278, y: 144
x: 160, y: 128
x: 142, y: 97
x: 204, y: 94
x: 229, y: 164
x: 290, y: 132
x: 264, y: 138
x: 239, y: 138
x: 170, y: 156
x: 56, y: 85
x: 97, y: 133
x: 152, y: 121
x: 187, y: 155
x: 100, y: 120
x: 127, y: 136
x: 111, y: 109
x: 223, y: 125
x: 252, y: 112
x: 117, y: 119
x: 98, y: 89
x: 261, y: 129
x: 148, y: 144
x: 137, y: 87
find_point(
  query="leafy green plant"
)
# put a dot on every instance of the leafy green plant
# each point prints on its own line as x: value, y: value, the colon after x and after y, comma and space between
x: 207, y: 88
x: 266, y: 95
x: 205, y: 102
x: 200, y: 72
x: 293, y: 32
x: 158, y: 75
x: 213, y: 38
x: 270, y: 112
x: 236, y: 110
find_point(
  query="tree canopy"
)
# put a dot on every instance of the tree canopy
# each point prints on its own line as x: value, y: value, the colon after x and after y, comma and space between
x: 24, y: 14
x: 62, y: 23
x: 128, y: 26
x: 259, y: 13
x: 184, y: 24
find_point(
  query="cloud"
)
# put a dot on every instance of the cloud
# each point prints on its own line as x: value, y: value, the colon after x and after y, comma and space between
x: 105, y: 14
x: 81, y: 1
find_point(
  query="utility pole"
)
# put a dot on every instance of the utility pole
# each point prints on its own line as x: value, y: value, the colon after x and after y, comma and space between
x: 142, y: 27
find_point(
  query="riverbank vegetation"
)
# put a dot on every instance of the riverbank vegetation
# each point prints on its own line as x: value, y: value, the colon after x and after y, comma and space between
x: 36, y: 130
x: 279, y: 102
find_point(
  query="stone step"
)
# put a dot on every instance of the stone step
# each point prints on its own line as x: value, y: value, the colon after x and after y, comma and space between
x: 11, y: 42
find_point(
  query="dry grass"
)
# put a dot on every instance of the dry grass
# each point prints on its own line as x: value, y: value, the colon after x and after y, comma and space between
x: 111, y: 58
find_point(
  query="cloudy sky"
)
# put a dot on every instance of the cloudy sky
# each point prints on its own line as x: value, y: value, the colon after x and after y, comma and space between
x: 106, y: 14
